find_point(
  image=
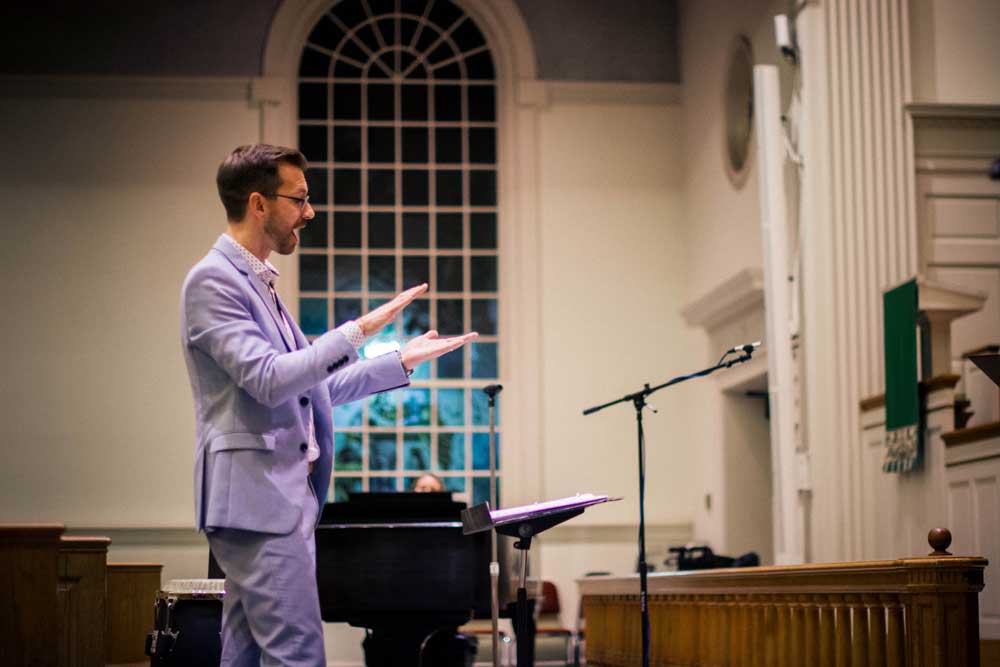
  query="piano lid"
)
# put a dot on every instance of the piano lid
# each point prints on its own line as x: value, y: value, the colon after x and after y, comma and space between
x: 393, y: 508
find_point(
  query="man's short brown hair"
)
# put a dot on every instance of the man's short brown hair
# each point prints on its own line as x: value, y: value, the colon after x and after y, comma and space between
x: 252, y: 168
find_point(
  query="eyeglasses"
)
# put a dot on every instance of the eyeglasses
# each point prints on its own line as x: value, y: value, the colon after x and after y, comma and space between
x: 301, y: 201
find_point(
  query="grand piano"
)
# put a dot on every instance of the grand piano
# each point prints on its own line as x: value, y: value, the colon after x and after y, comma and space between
x: 399, y: 565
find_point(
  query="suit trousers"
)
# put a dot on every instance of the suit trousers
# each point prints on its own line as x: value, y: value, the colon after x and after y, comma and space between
x: 270, y: 614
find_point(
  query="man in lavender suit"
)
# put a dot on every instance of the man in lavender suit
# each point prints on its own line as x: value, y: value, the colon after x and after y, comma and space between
x: 263, y: 401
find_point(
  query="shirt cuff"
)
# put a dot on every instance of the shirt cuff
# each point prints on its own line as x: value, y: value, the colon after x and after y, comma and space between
x: 352, y: 332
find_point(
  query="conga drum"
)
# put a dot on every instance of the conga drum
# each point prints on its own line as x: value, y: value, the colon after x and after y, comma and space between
x: 187, y: 624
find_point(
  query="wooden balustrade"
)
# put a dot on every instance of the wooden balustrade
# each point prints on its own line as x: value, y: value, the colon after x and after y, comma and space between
x: 914, y: 612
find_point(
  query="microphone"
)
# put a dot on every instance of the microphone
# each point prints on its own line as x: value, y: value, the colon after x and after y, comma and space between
x: 492, y: 389
x: 748, y: 348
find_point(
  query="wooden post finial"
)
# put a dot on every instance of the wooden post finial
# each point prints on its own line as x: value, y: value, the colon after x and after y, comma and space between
x: 940, y: 540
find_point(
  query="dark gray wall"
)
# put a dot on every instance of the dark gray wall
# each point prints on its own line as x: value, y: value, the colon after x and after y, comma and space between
x: 583, y: 40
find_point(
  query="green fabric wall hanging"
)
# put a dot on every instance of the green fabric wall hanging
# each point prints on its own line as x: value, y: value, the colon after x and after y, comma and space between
x: 902, y: 399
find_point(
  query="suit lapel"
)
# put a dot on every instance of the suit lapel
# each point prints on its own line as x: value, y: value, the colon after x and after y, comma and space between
x: 236, y: 259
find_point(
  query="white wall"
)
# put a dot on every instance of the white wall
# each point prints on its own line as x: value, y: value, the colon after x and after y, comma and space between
x: 955, y: 51
x: 614, y: 273
x: 110, y: 198
x: 721, y: 219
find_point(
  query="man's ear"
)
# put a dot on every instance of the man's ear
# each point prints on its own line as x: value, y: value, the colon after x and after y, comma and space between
x: 256, y: 203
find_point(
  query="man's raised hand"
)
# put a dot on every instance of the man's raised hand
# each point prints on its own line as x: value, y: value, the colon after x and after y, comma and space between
x: 373, y: 322
x: 430, y: 346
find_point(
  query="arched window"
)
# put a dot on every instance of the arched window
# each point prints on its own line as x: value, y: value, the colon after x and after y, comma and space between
x: 397, y: 116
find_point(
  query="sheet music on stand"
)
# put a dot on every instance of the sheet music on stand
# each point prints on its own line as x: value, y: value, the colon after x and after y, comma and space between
x: 479, y: 517
x: 524, y: 522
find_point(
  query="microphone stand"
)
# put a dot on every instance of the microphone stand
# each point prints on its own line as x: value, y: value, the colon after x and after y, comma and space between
x: 638, y: 399
x: 491, y: 392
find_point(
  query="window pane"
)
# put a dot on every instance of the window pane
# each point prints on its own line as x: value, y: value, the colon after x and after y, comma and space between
x: 347, y: 273
x: 415, y: 233
x: 312, y: 316
x: 417, y: 407
x: 347, y: 451
x: 482, y: 145
x: 312, y: 273
x: 482, y: 188
x: 449, y: 274
x: 382, y: 451
x: 343, y: 485
x: 481, y: 451
x: 313, y: 235
x: 381, y: 273
x: 483, y: 273
x: 448, y: 144
x: 312, y: 142
x: 347, y: 143
x: 414, y: 102
x: 451, y: 451
x: 416, y: 270
x: 381, y: 230
x: 312, y: 101
x: 345, y: 309
x: 316, y: 180
x: 314, y: 63
x: 382, y: 409
x: 346, y: 101
x: 416, y: 318
x: 450, y: 317
x: 415, y: 145
x: 381, y: 144
x: 417, y: 451
x: 481, y: 410
x: 415, y: 188
x: 456, y: 484
x: 447, y: 103
x: 382, y: 187
x: 480, y: 66
x: 381, y: 101
x: 449, y: 188
x: 348, y: 414
x: 346, y: 230
x: 346, y: 186
x: 451, y: 407
x: 481, y: 490
x: 449, y: 230
x: 451, y: 365
x: 484, y: 360
x: 481, y: 104
x: 382, y: 484
x: 483, y: 230
x: 484, y: 316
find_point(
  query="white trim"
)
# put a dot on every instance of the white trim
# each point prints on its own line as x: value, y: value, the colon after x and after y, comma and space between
x: 730, y: 299
x: 518, y: 106
x: 127, y: 87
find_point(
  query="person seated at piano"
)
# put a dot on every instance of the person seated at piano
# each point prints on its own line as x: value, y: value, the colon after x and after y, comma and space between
x: 427, y: 483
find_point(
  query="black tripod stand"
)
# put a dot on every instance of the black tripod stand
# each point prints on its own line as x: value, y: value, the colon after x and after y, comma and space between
x: 638, y: 399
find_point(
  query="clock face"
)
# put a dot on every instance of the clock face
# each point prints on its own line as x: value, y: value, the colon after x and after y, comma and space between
x: 739, y: 109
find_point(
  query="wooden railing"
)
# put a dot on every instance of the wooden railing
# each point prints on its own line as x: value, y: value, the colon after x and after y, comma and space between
x: 913, y: 612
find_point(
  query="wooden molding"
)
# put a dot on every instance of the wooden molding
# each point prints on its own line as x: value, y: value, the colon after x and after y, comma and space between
x: 953, y: 111
x: 21, y: 533
x: 929, y: 386
x: 972, y: 434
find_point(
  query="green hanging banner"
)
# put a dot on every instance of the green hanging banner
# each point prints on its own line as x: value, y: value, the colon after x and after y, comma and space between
x: 903, y: 439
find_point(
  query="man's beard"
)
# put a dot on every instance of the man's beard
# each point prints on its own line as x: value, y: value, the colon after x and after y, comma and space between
x: 284, y: 243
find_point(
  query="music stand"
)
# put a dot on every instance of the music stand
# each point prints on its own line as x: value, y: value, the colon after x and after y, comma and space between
x: 524, y: 522
x: 989, y: 364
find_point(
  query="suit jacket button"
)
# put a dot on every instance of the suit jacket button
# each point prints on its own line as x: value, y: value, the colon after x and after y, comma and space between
x: 303, y: 401
x: 303, y: 448
x: 331, y: 368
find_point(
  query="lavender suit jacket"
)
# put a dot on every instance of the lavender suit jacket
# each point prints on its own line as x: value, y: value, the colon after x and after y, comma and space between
x: 253, y: 390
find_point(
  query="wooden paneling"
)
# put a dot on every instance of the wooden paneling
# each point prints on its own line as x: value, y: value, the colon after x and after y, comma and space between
x: 915, y: 612
x: 29, y: 610
x: 132, y: 589
x: 82, y: 593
